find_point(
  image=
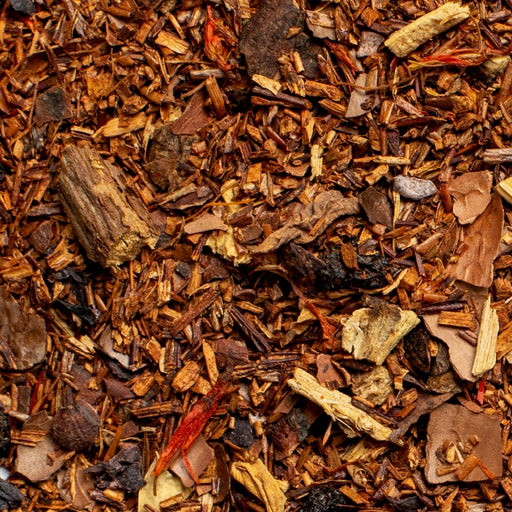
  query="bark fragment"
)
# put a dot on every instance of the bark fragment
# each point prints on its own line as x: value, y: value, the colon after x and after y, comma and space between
x: 110, y: 221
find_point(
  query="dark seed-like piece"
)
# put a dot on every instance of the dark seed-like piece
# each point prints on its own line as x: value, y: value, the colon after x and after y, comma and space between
x: 76, y: 427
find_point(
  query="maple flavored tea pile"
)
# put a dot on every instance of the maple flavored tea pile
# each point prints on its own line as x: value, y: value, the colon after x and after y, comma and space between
x: 255, y: 255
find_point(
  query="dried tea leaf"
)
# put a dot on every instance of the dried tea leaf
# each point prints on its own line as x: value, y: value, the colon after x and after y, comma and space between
x: 23, y: 335
x: 377, y: 207
x: 338, y: 406
x: 424, y: 404
x: 407, y: 39
x: 194, y: 117
x: 38, y: 463
x: 482, y: 239
x: 265, y: 38
x: 457, y: 424
x: 320, y: 214
x: 258, y: 480
x: 198, y: 457
x: 53, y: 105
x: 372, y: 333
x: 471, y: 194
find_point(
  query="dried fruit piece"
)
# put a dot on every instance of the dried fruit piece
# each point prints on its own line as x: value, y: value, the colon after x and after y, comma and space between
x: 10, y: 496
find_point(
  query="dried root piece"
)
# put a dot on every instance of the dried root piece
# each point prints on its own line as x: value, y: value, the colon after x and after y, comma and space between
x: 485, y: 357
x: 407, y: 39
x: 372, y: 333
x: 338, y: 406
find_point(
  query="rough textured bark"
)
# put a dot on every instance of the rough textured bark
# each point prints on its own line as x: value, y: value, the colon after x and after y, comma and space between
x: 110, y: 221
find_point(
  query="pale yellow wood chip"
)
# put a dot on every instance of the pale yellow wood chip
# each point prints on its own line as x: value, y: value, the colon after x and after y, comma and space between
x: 485, y: 357
x: 407, y: 39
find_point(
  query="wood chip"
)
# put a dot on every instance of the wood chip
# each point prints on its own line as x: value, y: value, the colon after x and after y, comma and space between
x: 407, y: 39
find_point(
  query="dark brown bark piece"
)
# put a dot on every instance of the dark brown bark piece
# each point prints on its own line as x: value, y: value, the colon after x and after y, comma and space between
x: 110, y: 221
x: 167, y: 157
x: 53, y: 105
x: 377, y: 207
x: 22, y: 335
x: 265, y: 38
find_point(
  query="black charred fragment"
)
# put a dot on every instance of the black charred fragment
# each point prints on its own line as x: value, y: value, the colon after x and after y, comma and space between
x: 326, y: 499
x: 371, y: 273
x: 10, y: 496
x: 242, y: 435
x: 123, y: 471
